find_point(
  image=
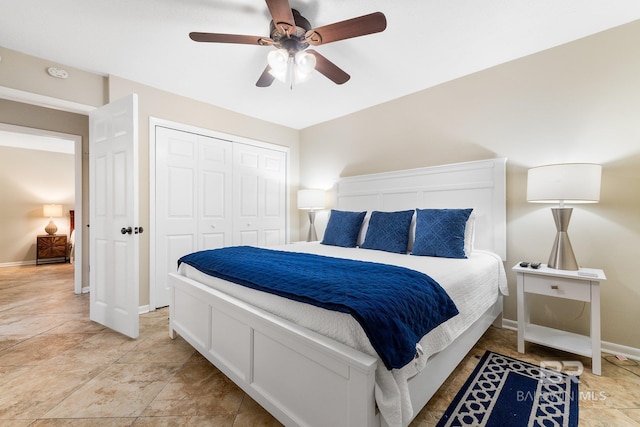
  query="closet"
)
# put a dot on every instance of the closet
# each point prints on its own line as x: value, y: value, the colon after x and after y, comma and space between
x: 211, y: 193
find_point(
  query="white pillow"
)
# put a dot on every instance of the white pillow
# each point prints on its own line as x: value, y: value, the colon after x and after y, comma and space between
x: 363, y: 229
x: 469, y: 234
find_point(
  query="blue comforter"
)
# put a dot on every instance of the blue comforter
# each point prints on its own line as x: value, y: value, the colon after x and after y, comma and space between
x: 394, y: 305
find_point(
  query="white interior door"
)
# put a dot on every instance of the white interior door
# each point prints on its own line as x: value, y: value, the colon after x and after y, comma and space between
x: 193, y: 193
x: 113, y: 202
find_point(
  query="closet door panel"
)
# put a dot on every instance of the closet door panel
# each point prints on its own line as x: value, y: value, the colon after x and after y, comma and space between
x: 215, y: 193
x: 246, y: 195
x: 248, y: 237
x: 272, y: 198
x: 272, y: 237
x: 176, y: 204
x: 176, y: 246
x: 274, y: 185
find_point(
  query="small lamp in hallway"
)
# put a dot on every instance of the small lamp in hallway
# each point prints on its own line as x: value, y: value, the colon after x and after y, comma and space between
x: 51, y: 211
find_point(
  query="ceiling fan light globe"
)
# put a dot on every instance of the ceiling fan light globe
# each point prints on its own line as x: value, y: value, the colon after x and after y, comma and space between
x: 305, y: 62
x: 278, y: 60
x: 300, y: 77
x: 279, y: 74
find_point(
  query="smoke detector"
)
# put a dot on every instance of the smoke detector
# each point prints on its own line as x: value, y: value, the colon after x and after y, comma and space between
x: 57, y: 72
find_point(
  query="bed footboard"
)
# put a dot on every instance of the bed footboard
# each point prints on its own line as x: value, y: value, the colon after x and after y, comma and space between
x: 300, y: 377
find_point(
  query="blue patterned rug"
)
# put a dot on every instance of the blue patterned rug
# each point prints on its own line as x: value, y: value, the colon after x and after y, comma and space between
x: 503, y: 391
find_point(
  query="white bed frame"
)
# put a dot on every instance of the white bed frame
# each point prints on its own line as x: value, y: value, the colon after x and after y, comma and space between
x: 305, y: 379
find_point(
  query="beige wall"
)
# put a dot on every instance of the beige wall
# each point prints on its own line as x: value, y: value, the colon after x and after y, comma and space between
x: 29, y: 179
x: 29, y: 74
x: 575, y: 103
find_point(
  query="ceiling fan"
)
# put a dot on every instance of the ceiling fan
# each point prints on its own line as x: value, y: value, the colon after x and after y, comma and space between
x: 291, y: 34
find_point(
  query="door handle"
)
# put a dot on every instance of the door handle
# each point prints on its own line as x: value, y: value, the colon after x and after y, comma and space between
x: 126, y: 230
x: 138, y: 230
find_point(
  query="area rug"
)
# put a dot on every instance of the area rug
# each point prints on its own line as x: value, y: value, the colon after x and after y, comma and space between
x: 503, y: 391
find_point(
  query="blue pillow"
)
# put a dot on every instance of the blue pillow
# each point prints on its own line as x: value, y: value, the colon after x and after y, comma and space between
x: 343, y: 228
x: 388, y: 231
x: 440, y: 232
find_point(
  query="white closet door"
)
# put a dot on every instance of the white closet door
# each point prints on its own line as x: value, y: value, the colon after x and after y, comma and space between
x: 259, y: 181
x: 214, y: 193
x: 176, y: 197
x: 193, y: 190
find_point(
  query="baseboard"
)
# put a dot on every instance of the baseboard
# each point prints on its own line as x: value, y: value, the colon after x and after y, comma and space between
x: 618, y: 349
x: 17, y: 263
x: 143, y: 309
x: 509, y: 324
x: 606, y: 347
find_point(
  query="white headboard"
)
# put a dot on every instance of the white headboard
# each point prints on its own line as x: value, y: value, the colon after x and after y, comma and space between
x: 479, y: 185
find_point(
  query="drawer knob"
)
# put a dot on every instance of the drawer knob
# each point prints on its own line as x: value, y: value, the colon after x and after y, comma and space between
x: 554, y: 286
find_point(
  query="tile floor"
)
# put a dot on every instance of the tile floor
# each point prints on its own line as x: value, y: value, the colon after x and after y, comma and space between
x: 57, y: 368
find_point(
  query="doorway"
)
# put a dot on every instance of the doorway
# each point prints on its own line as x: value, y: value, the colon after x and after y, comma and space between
x: 54, y: 142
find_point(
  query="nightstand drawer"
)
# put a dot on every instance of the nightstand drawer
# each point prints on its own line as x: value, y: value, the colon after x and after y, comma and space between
x: 558, y: 287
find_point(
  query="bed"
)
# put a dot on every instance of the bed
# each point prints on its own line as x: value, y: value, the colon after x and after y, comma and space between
x: 306, y: 375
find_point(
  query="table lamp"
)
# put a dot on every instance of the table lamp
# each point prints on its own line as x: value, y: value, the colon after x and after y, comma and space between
x: 311, y: 200
x: 51, y: 211
x: 564, y: 183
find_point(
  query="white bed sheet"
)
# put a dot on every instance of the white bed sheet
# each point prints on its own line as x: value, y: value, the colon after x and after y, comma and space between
x: 474, y: 284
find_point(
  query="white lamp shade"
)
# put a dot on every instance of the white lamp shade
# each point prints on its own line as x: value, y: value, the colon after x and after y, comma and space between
x: 311, y: 199
x: 305, y: 62
x: 278, y: 59
x: 568, y: 182
x: 52, y: 210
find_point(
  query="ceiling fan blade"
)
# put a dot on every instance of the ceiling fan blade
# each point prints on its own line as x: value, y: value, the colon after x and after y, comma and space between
x: 355, y: 27
x: 281, y: 13
x: 230, y: 38
x: 266, y: 78
x: 329, y: 69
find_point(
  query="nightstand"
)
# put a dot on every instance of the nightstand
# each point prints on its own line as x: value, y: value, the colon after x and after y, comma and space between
x: 581, y: 285
x: 51, y: 247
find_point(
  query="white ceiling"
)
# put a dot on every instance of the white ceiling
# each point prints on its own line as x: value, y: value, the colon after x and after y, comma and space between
x: 426, y: 42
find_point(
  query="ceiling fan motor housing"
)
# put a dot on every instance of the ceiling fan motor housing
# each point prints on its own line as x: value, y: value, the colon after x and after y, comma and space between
x: 290, y: 38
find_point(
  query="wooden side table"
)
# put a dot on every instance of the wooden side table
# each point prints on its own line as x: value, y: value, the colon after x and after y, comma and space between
x: 51, y: 247
x: 581, y: 285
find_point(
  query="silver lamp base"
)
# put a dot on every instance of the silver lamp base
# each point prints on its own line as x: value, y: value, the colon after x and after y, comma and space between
x: 312, y: 236
x: 562, y: 257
